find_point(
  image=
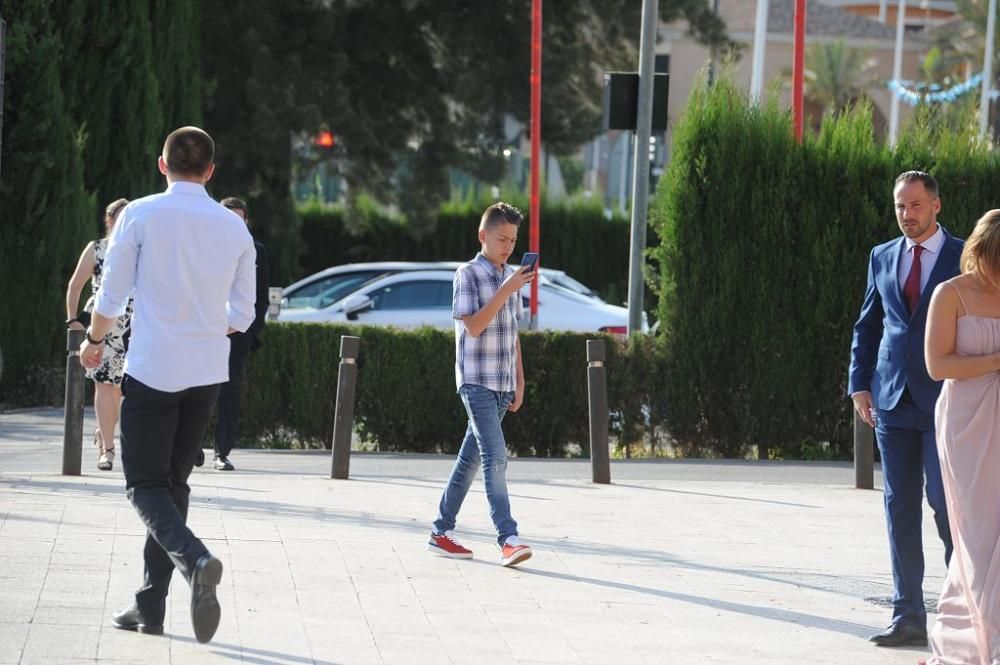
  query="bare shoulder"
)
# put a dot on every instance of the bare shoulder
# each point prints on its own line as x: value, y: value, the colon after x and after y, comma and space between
x: 948, y: 291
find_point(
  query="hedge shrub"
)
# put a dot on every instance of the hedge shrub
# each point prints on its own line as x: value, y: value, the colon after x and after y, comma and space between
x: 763, y: 262
x: 406, y: 398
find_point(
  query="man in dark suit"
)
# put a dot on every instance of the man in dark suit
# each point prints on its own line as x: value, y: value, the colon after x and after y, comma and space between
x: 240, y: 346
x: 893, y: 393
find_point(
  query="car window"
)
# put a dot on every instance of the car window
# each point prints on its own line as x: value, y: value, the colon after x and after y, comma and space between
x: 328, y: 290
x: 418, y: 294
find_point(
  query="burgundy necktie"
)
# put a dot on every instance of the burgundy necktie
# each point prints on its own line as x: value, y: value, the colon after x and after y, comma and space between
x: 911, y: 290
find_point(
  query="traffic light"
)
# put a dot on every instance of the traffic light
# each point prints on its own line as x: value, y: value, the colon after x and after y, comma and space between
x: 325, y: 140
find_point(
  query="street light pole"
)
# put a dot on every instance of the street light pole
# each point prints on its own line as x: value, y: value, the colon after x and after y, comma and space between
x: 984, y: 100
x: 897, y: 72
x: 799, y: 68
x: 534, y: 214
x: 640, y: 161
x: 759, y: 48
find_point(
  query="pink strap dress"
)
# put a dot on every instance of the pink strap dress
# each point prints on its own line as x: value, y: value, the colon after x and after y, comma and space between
x: 967, y: 417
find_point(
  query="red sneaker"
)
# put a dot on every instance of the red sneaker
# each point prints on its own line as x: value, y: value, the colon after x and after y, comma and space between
x: 446, y: 545
x: 514, y: 552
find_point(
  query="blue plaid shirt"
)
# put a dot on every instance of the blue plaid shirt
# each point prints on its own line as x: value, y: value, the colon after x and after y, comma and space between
x: 489, y: 360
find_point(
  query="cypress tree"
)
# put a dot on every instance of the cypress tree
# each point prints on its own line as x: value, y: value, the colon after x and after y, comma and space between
x: 43, y: 205
x: 113, y: 92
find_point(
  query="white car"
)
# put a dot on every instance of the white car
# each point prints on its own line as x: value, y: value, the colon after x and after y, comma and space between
x: 413, y: 297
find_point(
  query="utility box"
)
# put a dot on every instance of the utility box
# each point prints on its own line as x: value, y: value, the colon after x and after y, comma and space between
x: 621, y: 101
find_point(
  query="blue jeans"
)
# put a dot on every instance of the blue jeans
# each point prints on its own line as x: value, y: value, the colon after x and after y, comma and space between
x: 906, y: 442
x: 483, y: 440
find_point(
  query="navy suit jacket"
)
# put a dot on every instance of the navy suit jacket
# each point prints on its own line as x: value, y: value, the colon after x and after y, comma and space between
x: 887, y: 354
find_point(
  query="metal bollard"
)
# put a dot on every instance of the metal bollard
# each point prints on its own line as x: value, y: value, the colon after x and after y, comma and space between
x: 597, y: 395
x: 864, y: 454
x: 343, y: 415
x: 73, y: 415
x: 274, y: 298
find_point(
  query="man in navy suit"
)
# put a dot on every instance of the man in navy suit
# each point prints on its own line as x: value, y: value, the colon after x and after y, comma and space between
x: 893, y: 393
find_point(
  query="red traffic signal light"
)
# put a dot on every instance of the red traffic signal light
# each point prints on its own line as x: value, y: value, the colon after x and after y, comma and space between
x: 325, y: 139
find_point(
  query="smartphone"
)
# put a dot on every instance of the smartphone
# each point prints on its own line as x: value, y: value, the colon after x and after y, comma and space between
x: 529, y: 261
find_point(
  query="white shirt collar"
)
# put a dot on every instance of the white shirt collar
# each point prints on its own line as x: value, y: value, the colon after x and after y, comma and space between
x: 184, y: 187
x: 932, y: 244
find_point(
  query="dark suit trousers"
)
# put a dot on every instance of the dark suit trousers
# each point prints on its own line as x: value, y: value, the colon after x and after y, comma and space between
x: 227, y: 422
x: 909, y: 454
x: 161, y: 435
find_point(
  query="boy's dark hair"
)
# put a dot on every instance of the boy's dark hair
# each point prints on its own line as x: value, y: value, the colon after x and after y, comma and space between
x: 188, y: 151
x: 235, y: 203
x: 500, y: 213
x: 930, y: 184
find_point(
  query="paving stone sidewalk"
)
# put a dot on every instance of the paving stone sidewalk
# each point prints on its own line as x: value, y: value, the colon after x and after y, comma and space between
x: 676, y: 562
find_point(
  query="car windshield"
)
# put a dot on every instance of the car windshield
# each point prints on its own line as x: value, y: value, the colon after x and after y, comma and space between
x: 325, y: 291
x: 567, y: 282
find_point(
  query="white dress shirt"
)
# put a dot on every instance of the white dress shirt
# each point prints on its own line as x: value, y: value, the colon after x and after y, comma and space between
x: 188, y: 263
x: 928, y: 258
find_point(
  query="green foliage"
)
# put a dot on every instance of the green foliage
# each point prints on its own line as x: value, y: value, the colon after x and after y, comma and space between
x: 577, y: 239
x: 406, y: 397
x: 43, y: 206
x: 762, y: 264
x: 92, y: 89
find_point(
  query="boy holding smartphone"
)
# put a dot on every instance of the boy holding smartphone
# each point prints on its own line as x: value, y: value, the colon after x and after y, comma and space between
x: 486, y: 306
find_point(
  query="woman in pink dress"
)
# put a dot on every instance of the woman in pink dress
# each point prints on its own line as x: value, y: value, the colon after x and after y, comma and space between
x: 963, y: 348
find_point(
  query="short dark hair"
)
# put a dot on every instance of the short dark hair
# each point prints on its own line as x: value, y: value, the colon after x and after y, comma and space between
x: 188, y: 151
x: 235, y: 203
x: 500, y: 213
x: 930, y: 184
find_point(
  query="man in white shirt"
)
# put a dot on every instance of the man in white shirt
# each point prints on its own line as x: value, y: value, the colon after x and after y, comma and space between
x: 189, y: 265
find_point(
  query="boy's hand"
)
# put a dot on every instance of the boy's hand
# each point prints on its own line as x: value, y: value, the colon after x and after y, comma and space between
x: 520, y: 277
x: 518, y: 399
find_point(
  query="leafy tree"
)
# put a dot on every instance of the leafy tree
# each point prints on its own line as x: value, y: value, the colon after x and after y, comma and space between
x: 835, y: 75
x: 409, y: 89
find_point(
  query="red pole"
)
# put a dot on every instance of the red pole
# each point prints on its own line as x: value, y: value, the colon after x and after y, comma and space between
x: 536, y: 144
x: 798, y: 66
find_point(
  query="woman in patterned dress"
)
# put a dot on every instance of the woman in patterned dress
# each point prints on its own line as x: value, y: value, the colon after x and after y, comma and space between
x: 107, y: 377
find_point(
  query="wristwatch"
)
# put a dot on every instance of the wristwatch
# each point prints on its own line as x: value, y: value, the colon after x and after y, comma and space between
x: 92, y: 340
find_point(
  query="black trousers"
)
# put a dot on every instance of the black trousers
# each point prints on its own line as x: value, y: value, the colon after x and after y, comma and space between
x: 161, y: 433
x: 227, y: 421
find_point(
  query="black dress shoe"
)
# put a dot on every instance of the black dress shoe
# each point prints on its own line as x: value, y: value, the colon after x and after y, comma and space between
x: 205, y: 611
x: 901, y: 635
x: 199, y: 459
x: 132, y: 619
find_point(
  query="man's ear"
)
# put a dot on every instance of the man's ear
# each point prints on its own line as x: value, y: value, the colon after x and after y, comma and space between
x: 162, y: 164
x: 209, y: 172
x: 482, y: 236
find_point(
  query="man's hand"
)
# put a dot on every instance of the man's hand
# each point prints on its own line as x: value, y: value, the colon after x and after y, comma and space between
x: 518, y: 399
x: 91, y: 354
x: 863, y: 405
x: 514, y: 283
x: 76, y: 325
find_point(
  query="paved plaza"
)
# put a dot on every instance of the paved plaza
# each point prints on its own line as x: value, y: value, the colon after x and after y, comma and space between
x: 676, y: 562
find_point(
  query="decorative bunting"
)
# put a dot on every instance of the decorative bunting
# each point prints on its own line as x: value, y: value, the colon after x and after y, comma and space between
x: 915, y: 92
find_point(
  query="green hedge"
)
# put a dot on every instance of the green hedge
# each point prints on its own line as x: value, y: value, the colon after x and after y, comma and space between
x: 406, y: 397
x: 763, y: 262
x: 576, y: 239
